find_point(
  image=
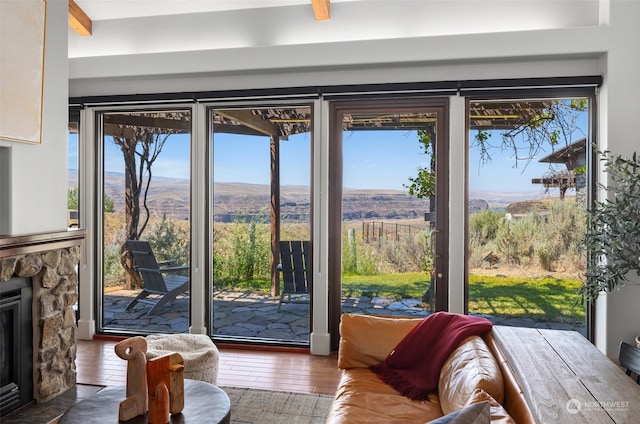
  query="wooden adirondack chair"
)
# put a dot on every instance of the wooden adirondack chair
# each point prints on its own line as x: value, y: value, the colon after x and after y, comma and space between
x: 160, y: 280
x: 296, y: 271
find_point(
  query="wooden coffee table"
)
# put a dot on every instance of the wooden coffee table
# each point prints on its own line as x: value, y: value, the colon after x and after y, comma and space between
x: 203, y: 403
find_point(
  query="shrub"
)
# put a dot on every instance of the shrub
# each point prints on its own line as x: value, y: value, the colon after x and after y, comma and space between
x: 516, y: 239
x: 169, y: 241
x: 358, y: 257
x: 249, y: 251
x: 566, y: 224
x: 407, y: 254
x: 547, y: 254
x: 478, y: 252
x: 547, y: 240
x: 425, y: 257
x: 398, y: 252
x: 560, y: 233
x: 113, y: 270
x: 113, y: 273
x: 484, y: 225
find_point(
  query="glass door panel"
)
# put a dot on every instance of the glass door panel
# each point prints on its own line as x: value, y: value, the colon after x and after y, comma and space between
x: 146, y: 198
x: 391, y: 186
x: 527, y: 191
x: 72, y: 181
x: 261, y: 212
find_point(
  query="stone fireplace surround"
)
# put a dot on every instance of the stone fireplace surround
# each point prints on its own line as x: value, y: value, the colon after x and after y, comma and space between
x: 50, y: 260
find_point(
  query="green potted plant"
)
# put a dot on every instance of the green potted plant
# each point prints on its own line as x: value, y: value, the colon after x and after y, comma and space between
x: 612, y: 240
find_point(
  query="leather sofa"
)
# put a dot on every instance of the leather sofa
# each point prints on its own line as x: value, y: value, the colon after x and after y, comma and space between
x: 475, y: 371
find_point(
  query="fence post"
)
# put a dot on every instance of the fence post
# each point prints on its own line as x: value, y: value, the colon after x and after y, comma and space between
x: 352, y: 246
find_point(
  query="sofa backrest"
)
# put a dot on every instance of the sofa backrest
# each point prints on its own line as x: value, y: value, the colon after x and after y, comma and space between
x: 469, y: 367
x: 367, y: 340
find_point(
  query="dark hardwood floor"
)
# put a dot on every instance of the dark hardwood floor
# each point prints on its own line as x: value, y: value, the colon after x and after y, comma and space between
x: 97, y: 364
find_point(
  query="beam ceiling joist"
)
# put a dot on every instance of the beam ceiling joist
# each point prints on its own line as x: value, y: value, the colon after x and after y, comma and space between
x: 321, y: 9
x: 78, y: 20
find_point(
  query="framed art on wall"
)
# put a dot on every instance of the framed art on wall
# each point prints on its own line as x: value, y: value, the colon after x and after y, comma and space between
x: 22, y: 47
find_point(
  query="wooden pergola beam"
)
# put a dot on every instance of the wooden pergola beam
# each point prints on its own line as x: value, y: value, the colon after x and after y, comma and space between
x: 321, y: 9
x: 246, y: 118
x: 181, y: 125
x: 78, y: 20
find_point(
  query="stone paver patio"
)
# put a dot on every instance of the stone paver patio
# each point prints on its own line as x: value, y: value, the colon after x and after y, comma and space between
x: 255, y: 316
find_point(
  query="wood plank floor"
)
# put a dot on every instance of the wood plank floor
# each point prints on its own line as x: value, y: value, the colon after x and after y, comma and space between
x: 97, y: 364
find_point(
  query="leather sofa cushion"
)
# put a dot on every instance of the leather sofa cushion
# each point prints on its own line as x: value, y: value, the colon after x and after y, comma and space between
x: 367, y: 340
x: 363, y: 398
x: 470, y: 366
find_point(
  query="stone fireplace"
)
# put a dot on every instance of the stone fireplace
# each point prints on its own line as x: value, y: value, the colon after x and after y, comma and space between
x: 46, y: 264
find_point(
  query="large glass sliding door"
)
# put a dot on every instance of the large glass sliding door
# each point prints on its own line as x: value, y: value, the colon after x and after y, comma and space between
x: 388, y: 186
x: 528, y: 168
x: 145, y: 197
x: 261, y: 194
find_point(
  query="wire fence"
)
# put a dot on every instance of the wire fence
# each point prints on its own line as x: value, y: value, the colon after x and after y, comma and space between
x: 377, y: 231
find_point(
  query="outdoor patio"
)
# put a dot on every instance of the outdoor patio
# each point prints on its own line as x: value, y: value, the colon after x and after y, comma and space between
x: 255, y: 315
x: 242, y: 314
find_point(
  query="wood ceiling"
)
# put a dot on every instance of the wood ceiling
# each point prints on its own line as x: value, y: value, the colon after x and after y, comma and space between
x: 82, y: 24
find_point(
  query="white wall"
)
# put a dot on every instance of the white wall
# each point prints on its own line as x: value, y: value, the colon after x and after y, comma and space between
x: 377, y: 42
x: 420, y: 40
x: 618, y: 313
x: 350, y: 21
x: 37, y: 198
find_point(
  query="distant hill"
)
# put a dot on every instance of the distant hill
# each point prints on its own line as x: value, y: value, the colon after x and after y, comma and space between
x: 170, y: 196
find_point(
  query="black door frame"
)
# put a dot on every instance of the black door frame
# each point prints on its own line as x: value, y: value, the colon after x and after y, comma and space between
x: 337, y: 109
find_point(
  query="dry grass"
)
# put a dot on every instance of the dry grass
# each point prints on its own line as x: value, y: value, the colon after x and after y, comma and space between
x: 114, y: 226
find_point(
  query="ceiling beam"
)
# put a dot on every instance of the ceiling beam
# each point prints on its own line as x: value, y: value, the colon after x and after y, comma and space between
x: 78, y: 20
x: 321, y: 9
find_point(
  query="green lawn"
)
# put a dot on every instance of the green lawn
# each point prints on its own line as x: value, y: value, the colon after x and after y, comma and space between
x: 409, y: 284
x: 546, y: 299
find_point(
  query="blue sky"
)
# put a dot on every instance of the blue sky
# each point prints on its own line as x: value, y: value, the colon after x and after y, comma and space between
x: 372, y: 159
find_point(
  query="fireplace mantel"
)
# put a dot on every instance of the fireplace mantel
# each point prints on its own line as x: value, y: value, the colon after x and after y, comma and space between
x: 23, y: 244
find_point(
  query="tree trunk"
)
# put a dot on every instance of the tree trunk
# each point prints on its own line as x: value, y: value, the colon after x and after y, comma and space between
x: 132, y: 217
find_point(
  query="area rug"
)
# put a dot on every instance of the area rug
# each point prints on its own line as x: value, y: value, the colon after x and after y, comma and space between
x: 254, y: 406
x: 248, y: 406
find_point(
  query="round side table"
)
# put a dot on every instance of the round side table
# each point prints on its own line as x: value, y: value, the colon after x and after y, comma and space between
x: 203, y: 403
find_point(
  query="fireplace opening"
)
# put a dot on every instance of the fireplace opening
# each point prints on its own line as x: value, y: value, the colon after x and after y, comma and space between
x: 16, y: 347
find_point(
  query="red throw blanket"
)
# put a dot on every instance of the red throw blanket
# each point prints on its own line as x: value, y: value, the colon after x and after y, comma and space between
x: 413, y: 367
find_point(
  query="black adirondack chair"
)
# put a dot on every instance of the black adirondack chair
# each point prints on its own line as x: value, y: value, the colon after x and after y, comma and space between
x: 161, y: 284
x: 629, y: 358
x: 296, y: 271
